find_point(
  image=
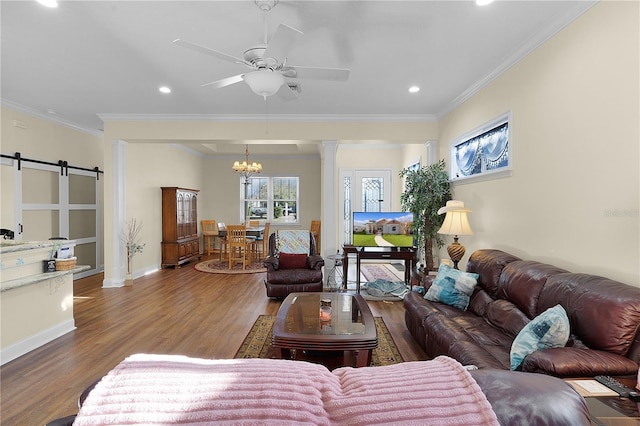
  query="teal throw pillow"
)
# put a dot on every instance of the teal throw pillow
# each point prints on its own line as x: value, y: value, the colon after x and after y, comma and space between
x: 550, y: 329
x: 452, y: 287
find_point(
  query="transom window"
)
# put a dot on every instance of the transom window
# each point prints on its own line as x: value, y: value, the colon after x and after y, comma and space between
x: 270, y: 199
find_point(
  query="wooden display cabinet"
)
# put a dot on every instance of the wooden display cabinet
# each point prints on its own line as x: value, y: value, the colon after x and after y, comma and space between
x: 180, y: 240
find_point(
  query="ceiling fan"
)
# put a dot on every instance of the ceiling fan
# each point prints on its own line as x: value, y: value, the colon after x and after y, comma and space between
x: 268, y: 62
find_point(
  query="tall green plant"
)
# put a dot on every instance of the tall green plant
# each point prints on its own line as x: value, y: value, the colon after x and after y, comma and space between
x: 426, y: 190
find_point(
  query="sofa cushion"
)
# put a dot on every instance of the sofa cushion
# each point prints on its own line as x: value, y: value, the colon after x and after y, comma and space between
x: 479, y: 302
x: 521, y: 283
x: 467, y: 338
x: 295, y: 276
x: 292, y: 261
x: 604, y: 313
x: 452, y: 287
x: 550, y: 329
x: 505, y: 316
x: 489, y: 263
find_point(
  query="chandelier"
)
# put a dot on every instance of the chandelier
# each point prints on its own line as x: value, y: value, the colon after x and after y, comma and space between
x: 246, y: 169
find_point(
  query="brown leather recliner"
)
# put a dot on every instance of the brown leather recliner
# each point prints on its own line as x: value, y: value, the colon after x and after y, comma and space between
x: 283, y: 279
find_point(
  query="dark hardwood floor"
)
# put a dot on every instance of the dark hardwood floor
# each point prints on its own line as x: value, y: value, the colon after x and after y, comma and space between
x: 173, y: 311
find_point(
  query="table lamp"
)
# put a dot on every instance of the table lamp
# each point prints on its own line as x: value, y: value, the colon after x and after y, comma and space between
x: 455, y: 223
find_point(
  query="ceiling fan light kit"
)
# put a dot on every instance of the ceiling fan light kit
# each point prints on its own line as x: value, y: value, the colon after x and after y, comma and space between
x: 264, y: 82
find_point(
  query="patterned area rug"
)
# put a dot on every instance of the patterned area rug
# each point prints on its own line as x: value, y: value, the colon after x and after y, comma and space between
x: 217, y: 267
x: 375, y: 272
x: 257, y: 344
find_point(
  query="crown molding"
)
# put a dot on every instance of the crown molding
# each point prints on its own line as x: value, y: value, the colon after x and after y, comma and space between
x: 525, y: 49
x: 301, y: 118
x: 39, y: 114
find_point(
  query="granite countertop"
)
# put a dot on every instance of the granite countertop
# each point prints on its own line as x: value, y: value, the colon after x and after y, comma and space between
x: 11, y: 246
x: 32, y: 279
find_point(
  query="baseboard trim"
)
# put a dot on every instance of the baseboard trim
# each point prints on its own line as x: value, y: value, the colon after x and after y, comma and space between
x: 34, y: 342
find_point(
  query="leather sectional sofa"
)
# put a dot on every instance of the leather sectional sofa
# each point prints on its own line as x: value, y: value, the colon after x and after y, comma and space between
x: 604, y: 318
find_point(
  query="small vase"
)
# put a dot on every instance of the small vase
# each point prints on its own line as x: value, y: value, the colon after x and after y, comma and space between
x: 128, y: 277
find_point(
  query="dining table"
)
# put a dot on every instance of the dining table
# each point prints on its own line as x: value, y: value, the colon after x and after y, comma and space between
x: 253, y: 232
x: 256, y: 232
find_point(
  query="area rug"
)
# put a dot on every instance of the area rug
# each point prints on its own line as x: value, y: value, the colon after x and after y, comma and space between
x: 257, y: 344
x: 376, y: 272
x: 217, y: 267
x: 372, y: 272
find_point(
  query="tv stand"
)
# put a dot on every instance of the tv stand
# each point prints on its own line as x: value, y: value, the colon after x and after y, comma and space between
x: 408, y: 254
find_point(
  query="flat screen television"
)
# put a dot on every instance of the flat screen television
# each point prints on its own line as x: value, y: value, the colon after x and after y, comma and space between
x: 379, y: 229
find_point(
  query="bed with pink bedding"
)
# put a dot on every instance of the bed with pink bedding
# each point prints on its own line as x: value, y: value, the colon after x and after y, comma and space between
x: 169, y: 389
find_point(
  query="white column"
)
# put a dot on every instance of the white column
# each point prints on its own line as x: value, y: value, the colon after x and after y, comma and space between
x: 115, y: 257
x: 329, y: 206
x: 432, y: 152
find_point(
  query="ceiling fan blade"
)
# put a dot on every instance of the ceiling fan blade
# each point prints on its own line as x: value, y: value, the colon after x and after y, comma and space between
x: 224, y: 82
x: 210, y: 52
x: 286, y: 94
x: 333, y: 74
x: 281, y: 42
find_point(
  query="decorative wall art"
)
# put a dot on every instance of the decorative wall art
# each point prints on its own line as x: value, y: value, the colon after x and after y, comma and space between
x: 483, y: 153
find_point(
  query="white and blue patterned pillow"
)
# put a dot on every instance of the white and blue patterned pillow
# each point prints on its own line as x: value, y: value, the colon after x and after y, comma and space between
x: 550, y: 329
x: 452, y: 287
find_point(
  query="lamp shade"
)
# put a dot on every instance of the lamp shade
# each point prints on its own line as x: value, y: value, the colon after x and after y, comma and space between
x: 264, y: 82
x: 456, y: 221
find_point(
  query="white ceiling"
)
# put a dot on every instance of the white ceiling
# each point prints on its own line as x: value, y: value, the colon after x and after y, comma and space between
x: 89, y: 58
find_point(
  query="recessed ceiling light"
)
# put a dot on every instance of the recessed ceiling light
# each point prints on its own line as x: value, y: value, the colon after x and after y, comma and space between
x: 48, y: 3
x: 414, y: 89
x: 483, y: 2
x: 164, y: 89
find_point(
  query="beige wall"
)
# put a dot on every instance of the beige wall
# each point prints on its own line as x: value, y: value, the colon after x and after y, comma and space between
x: 573, y: 197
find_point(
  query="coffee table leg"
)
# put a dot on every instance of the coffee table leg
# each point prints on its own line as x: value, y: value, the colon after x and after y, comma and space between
x: 282, y: 353
x: 363, y: 359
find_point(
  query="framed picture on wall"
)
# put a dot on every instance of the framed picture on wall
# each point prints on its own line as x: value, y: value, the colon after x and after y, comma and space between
x: 416, y: 165
x: 483, y: 153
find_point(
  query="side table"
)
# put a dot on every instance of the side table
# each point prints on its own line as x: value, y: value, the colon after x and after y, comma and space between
x: 613, y: 410
x: 335, y: 273
x: 417, y: 276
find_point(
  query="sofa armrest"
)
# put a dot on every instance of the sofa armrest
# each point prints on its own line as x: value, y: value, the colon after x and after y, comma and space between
x: 315, y: 262
x: 578, y: 362
x: 427, y: 280
x: 531, y: 399
x: 272, y: 263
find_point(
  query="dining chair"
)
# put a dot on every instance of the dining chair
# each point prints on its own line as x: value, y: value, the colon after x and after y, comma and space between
x: 223, y: 241
x: 262, y: 243
x: 209, y: 235
x: 315, y: 230
x: 239, y: 245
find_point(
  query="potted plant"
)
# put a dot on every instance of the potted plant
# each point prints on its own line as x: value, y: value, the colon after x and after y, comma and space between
x: 426, y: 190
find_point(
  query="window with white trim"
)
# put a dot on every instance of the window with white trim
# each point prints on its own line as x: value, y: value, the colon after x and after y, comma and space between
x: 271, y: 199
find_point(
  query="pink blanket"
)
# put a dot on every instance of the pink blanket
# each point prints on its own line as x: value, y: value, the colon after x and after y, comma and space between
x: 168, y: 389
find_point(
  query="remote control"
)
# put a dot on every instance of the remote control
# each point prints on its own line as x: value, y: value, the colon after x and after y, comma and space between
x: 618, y: 387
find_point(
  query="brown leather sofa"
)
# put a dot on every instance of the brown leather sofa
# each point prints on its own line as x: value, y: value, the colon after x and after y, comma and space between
x: 280, y: 282
x: 604, y: 317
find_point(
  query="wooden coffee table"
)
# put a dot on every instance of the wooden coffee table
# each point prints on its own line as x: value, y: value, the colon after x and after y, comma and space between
x: 351, y: 328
